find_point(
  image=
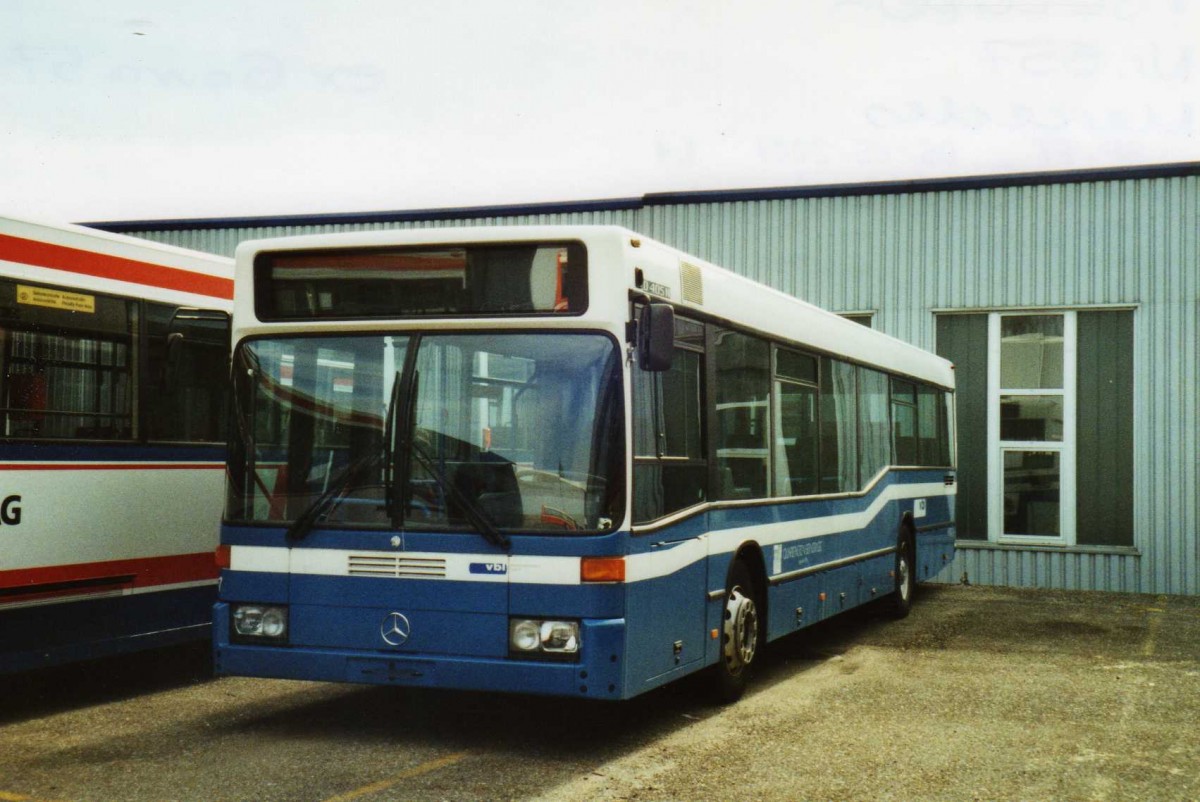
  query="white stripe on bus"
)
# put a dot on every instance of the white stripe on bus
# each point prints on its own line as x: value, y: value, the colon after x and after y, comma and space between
x: 665, y: 560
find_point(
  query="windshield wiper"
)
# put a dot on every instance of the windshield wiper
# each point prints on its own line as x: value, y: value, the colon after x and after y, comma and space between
x: 470, y: 507
x: 242, y: 454
x: 399, y: 436
x: 321, y: 504
x: 306, y: 520
x: 389, y: 455
x: 406, y: 441
x: 254, y: 369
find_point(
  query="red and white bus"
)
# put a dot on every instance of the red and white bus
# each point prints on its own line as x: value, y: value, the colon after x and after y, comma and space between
x: 113, y: 375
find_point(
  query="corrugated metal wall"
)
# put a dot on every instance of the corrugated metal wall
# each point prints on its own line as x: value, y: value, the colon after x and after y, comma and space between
x: 1106, y: 242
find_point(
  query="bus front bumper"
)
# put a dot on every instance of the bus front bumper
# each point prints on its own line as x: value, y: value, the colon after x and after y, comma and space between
x: 597, y: 675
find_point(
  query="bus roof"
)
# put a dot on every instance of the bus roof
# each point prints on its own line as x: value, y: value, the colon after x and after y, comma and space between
x: 663, y: 273
x: 100, y: 261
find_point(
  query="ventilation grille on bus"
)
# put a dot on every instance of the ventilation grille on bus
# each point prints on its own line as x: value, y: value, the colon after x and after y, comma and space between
x: 400, y: 567
x: 691, y: 283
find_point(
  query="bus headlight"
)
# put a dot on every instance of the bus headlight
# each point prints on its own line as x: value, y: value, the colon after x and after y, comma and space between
x: 259, y: 622
x: 535, y: 637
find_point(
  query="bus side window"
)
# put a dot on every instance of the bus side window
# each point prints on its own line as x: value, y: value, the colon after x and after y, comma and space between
x: 875, y: 442
x: 795, y: 458
x: 670, y: 471
x: 68, y: 367
x: 905, y: 449
x: 931, y: 427
x: 839, y: 427
x: 188, y: 374
x: 743, y: 365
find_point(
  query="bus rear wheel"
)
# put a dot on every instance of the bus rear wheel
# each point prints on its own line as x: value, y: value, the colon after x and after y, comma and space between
x: 741, y: 634
x: 906, y: 579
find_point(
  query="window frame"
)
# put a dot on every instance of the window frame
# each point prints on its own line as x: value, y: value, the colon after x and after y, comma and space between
x: 132, y: 337
x: 705, y: 462
x: 266, y: 302
x: 945, y: 402
x: 899, y: 402
x: 1066, y: 448
x: 139, y: 368
x: 864, y: 318
x: 148, y: 378
x: 776, y: 417
x: 715, y: 431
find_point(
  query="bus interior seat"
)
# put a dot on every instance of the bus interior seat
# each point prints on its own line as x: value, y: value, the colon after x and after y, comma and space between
x: 494, y: 486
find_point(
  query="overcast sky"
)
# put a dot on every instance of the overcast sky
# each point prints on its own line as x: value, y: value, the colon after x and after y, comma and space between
x: 135, y: 110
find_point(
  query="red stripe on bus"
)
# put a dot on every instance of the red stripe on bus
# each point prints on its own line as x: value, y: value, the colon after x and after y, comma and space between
x: 111, y: 466
x: 74, y: 260
x: 28, y: 584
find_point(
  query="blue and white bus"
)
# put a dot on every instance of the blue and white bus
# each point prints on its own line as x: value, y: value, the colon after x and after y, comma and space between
x: 561, y: 460
x: 114, y: 358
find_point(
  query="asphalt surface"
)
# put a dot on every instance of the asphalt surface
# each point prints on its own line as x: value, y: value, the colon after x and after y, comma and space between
x: 979, y: 694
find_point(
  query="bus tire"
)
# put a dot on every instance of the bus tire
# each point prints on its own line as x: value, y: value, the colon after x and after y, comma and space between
x: 741, y: 634
x: 905, y: 573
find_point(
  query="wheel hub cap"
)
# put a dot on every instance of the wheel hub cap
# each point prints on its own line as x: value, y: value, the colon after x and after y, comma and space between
x: 741, y: 630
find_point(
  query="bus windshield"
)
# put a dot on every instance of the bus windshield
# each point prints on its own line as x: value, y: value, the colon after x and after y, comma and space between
x: 430, y: 432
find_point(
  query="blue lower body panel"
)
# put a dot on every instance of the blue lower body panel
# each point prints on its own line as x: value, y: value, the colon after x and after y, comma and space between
x: 935, y: 552
x: 84, y: 629
x: 598, y: 674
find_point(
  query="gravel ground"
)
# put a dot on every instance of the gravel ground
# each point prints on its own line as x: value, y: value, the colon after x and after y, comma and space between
x: 980, y: 694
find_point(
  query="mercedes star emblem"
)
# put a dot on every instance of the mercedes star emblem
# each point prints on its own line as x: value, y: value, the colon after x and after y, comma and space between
x: 395, y: 629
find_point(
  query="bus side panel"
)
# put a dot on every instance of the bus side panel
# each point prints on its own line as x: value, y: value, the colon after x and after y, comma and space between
x: 935, y: 551
x: 714, y: 610
x: 665, y: 629
x: 122, y: 509
x: 45, y: 635
x: 935, y: 537
x: 793, y: 606
x: 784, y: 534
x: 110, y: 554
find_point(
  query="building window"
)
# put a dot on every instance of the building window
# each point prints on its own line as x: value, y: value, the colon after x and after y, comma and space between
x: 1044, y: 400
x: 1031, y: 412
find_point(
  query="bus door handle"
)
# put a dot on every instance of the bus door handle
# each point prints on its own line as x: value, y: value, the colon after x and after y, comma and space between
x: 662, y: 543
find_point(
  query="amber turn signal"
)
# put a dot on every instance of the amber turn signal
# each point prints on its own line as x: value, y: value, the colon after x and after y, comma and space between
x: 602, y: 569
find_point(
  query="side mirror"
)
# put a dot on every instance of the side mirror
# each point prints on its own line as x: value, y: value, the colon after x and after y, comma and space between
x: 656, y: 337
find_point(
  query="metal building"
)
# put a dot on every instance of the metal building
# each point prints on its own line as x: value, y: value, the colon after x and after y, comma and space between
x: 1069, y: 302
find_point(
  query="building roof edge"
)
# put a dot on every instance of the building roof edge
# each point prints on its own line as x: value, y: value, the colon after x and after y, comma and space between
x: 956, y: 183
